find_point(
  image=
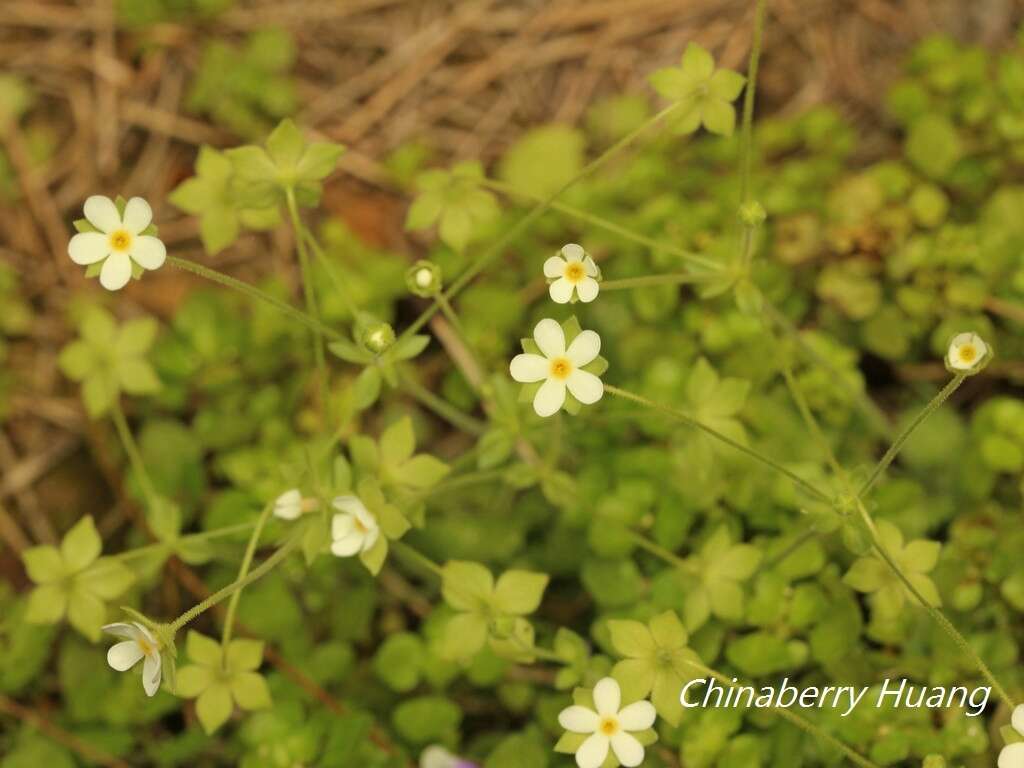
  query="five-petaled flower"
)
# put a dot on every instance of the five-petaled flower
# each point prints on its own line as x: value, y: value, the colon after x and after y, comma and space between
x: 1012, y: 755
x: 608, y: 726
x: 559, y: 368
x: 966, y: 353
x: 139, y: 644
x: 354, y: 529
x: 573, y: 271
x: 118, y: 240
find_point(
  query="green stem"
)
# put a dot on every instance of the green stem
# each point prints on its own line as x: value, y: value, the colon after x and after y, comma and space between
x: 253, y: 292
x: 414, y: 555
x: 243, y: 571
x: 608, y: 225
x: 898, y: 443
x: 689, y: 420
x: 659, y: 551
x: 192, y: 537
x: 441, y: 407
x: 463, y: 481
x: 307, y: 288
x: 747, y: 131
x: 264, y: 568
x: 536, y: 212
x: 647, y: 281
x: 332, y: 274
x: 134, y: 455
x: 795, y: 719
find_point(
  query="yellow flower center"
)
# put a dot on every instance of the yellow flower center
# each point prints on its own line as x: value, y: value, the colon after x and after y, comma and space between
x: 560, y: 368
x: 574, y: 271
x: 146, y: 646
x: 120, y: 240
x: 968, y: 353
x: 360, y: 526
x: 609, y: 726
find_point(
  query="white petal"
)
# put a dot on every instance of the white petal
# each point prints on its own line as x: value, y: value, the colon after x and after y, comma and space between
x: 590, y: 266
x: 120, y: 629
x: 593, y: 751
x: 124, y: 655
x: 638, y: 716
x: 554, y: 267
x: 342, y: 526
x: 88, y: 247
x: 148, y: 251
x: 144, y: 633
x: 587, y: 288
x: 1012, y: 756
x: 550, y: 338
x: 584, y: 348
x: 116, y: 272
x: 560, y: 291
x: 370, y: 538
x: 288, y: 506
x: 549, y: 397
x: 102, y: 213
x: 353, y: 505
x: 573, y: 252
x: 585, y: 387
x: 366, y: 518
x: 438, y: 757
x: 579, y: 719
x: 629, y: 751
x: 1018, y: 719
x: 607, y: 696
x: 151, y: 674
x: 137, y: 215
x: 528, y: 368
x: 348, y: 545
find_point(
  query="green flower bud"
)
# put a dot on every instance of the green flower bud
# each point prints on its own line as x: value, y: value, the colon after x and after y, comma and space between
x: 424, y: 279
x: 753, y: 214
x: 378, y: 338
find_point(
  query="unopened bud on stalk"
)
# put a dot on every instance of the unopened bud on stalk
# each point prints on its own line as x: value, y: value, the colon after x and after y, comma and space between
x: 424, y: 279
x: 379, y: 337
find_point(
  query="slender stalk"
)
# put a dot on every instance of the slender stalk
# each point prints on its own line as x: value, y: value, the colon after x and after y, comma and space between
x: 243, y: 571
x: 332, y: 274
x: 259, y: 572
x: 415, y: 556
x: 536, y: 212
x: 464, y: 481
x: 800, y: 722
x: 148, y: 549
x: 307, y: 288
x: 659, y: 551
x: 689, y: 420
x: 747, y: 131
x: 898, y: 443
x: 442, y: 408
x: 647, y: 281
x: 253, y: 292
x: 132, y: 449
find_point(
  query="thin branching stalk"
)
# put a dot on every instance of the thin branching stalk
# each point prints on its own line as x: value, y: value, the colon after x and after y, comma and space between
x: 441, y: 407
x: 243, y: 571
x: 132, y: 449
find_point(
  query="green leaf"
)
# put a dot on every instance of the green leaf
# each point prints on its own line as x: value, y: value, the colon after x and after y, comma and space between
x: 135, y: 337
x: 43, y: 565
x: 921, y: 555
x: 868, y: 574
x: 726, y: 84
x: 81, y: 545
x: 632, y: 638
x: 250, y: 691
x: 697, y: 62
x: 464, y: 636
x: 46, y: 604
x: 77, y: 360
x: 366, y: 388
x: 519, y: 592
x: 86, y: 613
x: 244, y: 655
x: 427, y: 719
x: 398, y: 442
x: 466, y: 586
x: 424, y: 471
x: 106, y: 578
x: 214, y: 706
x: 319, y: 161
x: 203, y: 650
x: 719, y: 117
x: 374, y: 557
x: 192, y: 680
x: 99, y: 391
x: 137, y: 377
x: 398, y: 662
x: 285, y: 145
x: 543, y: 160
x: 667, y: 630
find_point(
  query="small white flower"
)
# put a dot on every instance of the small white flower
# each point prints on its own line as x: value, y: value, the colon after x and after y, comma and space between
x: 139, y: 644
x: 966, y: 351
x: 439, y: 757
x: 288, y: 506
x: 609, y: 726
x: 575, y: 272
x: 559, y: 368
x: 119, y: 240
x: 424, y: 277
x: 355, y: 529
x: 1012, y: 755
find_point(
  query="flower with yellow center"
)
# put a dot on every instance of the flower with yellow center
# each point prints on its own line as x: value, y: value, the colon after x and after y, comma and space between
x: 559, y: 368
x: 139, y: 644
x: 118, y: 240
x: 575, y: 271
x: 609, y: 727
x: 966, y: 352
x: 1012, y: 755
x: 354, y: 529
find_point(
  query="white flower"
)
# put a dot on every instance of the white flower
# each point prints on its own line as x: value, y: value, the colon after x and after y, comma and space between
x: 609, y: 726
x: 424, y: 277
x: 140, y: 644
x: 1012, y: 755
x: 439, y: 757
x: 966, y: 351
x: 576, y: 271
x: 288, y: 506
x: 354, y: 530
x: 559, y: 368
x: 119, y: 240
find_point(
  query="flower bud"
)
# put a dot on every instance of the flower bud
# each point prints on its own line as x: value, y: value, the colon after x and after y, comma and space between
x: 967, y: 354
x: 378, y: 338
x: 424, y: 279
x: 753, y: 214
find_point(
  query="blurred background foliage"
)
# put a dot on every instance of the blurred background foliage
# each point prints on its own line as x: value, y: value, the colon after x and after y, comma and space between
x: 877, y: 249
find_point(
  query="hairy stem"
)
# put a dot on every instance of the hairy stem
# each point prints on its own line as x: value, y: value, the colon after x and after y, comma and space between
x: 134, y: 454
x: 243, y: 571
